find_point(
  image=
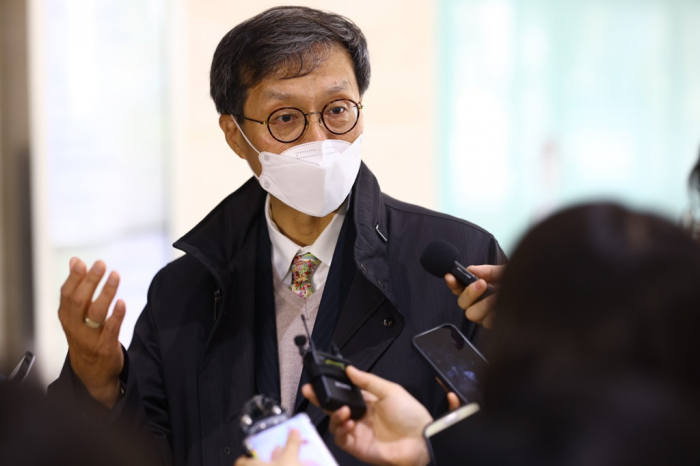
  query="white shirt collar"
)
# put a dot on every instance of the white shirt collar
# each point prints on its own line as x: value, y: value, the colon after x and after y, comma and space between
x: 284, y: 249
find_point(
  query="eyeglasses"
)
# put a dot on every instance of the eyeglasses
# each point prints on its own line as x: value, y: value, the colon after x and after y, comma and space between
x: 287, y: 124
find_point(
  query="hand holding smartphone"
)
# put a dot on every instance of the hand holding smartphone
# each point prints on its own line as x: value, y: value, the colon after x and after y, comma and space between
x: 445, y: 436
x: 312, y: 451
x: 454, y: 358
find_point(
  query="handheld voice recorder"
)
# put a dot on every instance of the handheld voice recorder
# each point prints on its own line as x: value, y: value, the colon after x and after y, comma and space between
x: 331, y: 384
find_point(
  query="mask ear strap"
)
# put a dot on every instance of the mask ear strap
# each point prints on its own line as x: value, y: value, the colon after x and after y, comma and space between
x: 244, y: 136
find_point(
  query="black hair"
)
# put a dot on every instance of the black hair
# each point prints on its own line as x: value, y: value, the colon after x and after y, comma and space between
x: 288, y: 42
x: 600, y: 289
x: 593, y: 356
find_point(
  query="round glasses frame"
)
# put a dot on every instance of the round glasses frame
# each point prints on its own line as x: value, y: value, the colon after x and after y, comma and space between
x: 306, y: 119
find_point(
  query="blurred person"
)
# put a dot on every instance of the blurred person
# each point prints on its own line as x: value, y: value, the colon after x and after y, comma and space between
x: 34, y: 431
x: 594, y: 356
x: 310, y: 234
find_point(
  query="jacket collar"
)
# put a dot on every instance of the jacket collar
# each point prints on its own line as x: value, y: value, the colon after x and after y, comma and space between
x: 217, y: 240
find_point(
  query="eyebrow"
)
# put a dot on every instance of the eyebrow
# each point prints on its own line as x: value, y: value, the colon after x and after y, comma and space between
x: 277, y: 95
x: 338, y: 88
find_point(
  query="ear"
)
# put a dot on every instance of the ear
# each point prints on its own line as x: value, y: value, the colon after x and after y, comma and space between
x: 232, y: 134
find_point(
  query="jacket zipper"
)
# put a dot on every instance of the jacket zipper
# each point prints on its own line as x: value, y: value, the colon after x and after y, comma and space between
x: 217, y: 298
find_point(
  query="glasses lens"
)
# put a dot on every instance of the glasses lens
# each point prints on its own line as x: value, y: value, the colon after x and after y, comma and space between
x: 340, y: 116
x: 286, y: 124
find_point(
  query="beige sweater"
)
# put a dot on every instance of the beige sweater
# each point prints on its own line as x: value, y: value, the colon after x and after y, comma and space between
x: 288, y: 309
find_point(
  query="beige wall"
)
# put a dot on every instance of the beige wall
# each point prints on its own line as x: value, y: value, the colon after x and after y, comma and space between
x: 400, y: 105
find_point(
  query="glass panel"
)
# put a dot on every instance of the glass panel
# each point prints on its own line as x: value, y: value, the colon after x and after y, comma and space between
x: 550, y: 102
x: 103, y: 89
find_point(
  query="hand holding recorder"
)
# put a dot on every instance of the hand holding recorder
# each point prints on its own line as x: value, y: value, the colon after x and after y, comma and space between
x: 390, y: 432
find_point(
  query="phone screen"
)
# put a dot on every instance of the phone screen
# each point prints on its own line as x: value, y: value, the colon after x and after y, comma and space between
x: 455, y: 359
x: 312, y: 452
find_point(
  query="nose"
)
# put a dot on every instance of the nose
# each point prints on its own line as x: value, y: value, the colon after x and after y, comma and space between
x: 316, y: 131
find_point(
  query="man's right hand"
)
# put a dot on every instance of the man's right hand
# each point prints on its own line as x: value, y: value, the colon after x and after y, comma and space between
x: 95, y: 354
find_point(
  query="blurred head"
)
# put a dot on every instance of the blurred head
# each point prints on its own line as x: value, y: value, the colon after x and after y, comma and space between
x: 593, y: 291
x: 593, y: 354
x: 286, y: 57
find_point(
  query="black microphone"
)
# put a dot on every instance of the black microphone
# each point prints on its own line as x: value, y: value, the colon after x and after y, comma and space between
x: 300, y: 341
x: 440, y: 258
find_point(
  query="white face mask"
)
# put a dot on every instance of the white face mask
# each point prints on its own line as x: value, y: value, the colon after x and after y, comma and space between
x: 313, y: 178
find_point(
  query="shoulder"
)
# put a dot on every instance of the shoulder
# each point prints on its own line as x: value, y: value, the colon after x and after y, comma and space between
x: 183, y: 275
x: 406, y: 212
x: 413, y: 227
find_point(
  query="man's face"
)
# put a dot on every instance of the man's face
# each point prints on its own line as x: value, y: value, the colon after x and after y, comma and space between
x: 332, y: 79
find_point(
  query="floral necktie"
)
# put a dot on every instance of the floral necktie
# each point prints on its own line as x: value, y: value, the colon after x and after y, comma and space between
x: 302, y: 268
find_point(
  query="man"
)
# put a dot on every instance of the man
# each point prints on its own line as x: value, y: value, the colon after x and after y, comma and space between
x: 313, y: 235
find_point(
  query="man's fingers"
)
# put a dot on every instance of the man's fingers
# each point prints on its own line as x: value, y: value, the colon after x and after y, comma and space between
x: 369, y: 397
x: 245, y: 461
x: 453, y: 284
x: 291, y: 450
x: 369, y: 382
x: 471, y: 294
x: 98, y: 309
x: 453, y: 401
x: 75, y: 276
x: 276, y: 453
x: 308, y: 391
x: 81, y: 298
x: 343, y: 430
x: 114, y: 323
x: 338, y: 417
x: 491, y: 273
x: 481, y: 310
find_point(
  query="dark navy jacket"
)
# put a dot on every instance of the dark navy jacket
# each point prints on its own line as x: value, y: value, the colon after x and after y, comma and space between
x: 206, y: 341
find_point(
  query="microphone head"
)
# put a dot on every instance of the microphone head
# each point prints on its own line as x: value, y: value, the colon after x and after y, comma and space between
x: 300, y: 340
x: 439, y: 258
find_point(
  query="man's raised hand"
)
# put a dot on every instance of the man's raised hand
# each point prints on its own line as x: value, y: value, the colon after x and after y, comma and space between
x: 94, y: 350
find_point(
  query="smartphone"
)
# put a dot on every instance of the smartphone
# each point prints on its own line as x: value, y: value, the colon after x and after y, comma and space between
x: 446, y: 435
x: 313, y: 450
x: 455, y: 359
